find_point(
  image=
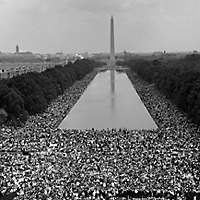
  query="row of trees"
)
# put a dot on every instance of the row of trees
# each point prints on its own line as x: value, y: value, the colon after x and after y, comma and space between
x: 30, y: 93
x: 178, y: 79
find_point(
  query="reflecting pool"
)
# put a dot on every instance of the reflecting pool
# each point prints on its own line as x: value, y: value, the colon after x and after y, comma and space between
x: 110, y: 101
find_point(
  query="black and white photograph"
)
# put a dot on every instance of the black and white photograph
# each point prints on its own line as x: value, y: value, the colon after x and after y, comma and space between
x: 99, y: 99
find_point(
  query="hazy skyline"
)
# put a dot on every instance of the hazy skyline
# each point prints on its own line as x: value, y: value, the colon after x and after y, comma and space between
x: 83, y: 25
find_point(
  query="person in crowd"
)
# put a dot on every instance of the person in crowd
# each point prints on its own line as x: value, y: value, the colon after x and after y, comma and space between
x: 40, y: 161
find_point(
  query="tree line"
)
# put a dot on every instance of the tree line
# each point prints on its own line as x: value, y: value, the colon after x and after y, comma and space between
x: 178, y: 79
x: 31, y: 93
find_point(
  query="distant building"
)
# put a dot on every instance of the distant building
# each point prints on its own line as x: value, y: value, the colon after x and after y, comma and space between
x: 17, y: 49
x: 195, y: 52
x: 25, y: 53
x: 9, y: 70
x: 158, y: 53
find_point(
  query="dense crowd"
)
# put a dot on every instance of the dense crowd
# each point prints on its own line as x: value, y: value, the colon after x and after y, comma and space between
x: 40, y: 161
x: 177, y: 78
x: 31, y: 93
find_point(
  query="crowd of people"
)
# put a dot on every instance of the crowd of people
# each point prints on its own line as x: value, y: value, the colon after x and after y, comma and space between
x: 40, y: 161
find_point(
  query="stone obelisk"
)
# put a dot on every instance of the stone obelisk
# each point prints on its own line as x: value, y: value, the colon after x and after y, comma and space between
x: 112, y: 43
x: 112, y: 58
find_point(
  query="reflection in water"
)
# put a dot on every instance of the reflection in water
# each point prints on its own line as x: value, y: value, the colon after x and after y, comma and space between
x: 112, y: 81
x: 110, y: 101
x: 112, y: 85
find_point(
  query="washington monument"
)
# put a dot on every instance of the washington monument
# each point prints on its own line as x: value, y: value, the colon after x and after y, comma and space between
x: 112, y: 57
x: 112, y: 44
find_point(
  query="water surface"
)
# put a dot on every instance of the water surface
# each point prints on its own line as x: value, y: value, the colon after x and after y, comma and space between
x: 110, y: 101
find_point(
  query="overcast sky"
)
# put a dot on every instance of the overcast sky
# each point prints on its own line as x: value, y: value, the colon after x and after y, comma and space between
x: 83, y: 25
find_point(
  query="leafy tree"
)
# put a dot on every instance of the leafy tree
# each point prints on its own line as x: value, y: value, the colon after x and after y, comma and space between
x: 178, y: 79
x: 32, y: 92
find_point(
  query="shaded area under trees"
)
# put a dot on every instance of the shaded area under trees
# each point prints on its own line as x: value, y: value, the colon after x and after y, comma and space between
x: 178, y: 79
x: 31, y: 93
